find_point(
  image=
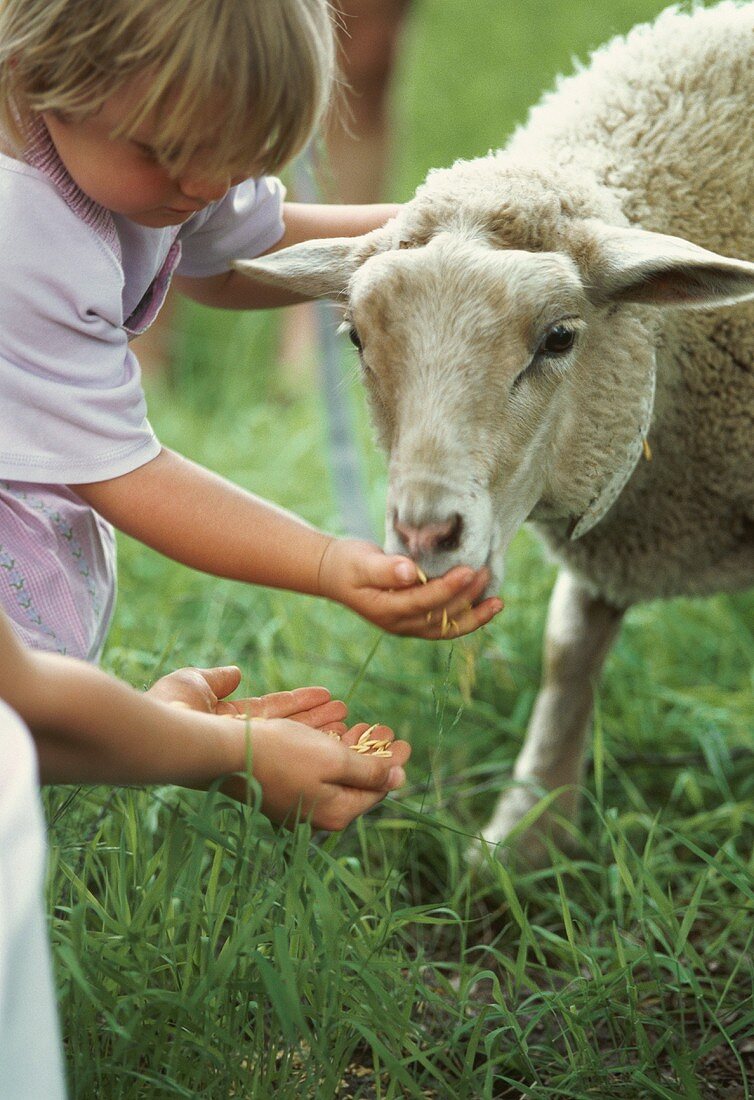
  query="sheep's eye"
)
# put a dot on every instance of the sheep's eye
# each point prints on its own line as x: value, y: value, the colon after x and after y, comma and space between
x: 555, y: 344
x: 558, y: 341
x: 353, y: 336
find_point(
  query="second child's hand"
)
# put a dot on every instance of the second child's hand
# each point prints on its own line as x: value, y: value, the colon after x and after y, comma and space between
x: 305, y: 773
x: 206, y: 690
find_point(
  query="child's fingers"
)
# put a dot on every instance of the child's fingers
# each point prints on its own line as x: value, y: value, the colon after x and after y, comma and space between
x: 473, y: 592
x: 400, y: 754
x: 283, y: 704
x: 348, y: 803
x: 197, y: 688
x: 461, y: 582
x: 342, y: 806
x: 324, y: 717
x: 335, y: 727
x: 385, y: 741
x: 444, y: 626
x: 458, y: 586
x: 222, y: 681
x: 329, y: 717
x: 462, y: 602
x: 379, y: 570
x: 374, y: 773
x: 426, y: 611
x: 378, y: 733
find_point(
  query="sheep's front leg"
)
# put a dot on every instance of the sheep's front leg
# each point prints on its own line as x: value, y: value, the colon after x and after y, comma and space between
x: 580, y: 630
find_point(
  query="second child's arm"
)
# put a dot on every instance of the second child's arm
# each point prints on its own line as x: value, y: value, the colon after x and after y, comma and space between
x: 303, y: 222
x: 210, y: 524
x: 89, y: 727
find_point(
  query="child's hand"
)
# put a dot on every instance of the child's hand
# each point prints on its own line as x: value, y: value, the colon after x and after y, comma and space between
x: 205, y: 689
x: 308, y: 773
x: 387, y: 591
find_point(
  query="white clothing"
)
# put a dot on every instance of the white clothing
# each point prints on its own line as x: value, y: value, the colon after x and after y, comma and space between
x: 31, y: 1063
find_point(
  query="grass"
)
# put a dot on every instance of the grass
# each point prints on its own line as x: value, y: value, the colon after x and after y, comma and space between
x: 201, y: 953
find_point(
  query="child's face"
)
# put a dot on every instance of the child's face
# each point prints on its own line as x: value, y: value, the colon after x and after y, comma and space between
x: 122, y: 174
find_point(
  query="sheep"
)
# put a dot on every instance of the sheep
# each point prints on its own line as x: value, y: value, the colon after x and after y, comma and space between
x: 541, y: 341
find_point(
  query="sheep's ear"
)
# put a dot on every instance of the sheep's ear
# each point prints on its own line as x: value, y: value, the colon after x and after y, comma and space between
x: 313, y: 269
x: 651, y: 268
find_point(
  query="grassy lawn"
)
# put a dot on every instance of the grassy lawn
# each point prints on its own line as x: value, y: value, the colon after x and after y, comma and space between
x: 200, y: 953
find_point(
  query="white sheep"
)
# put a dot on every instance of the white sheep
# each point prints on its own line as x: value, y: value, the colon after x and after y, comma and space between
x: 522, y: 350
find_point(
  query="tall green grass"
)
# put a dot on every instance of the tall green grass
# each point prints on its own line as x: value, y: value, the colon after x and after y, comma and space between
x: 200, y: 952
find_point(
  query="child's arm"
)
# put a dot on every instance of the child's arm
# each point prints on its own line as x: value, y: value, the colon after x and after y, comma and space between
x: 91, y: 728
x: 303, y: 222
x: 198, y: 518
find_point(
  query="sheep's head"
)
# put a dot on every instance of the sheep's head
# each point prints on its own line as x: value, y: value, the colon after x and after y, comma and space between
x: 504, y: 382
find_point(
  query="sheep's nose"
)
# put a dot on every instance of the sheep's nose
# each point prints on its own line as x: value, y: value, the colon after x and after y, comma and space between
x: 430, y: 537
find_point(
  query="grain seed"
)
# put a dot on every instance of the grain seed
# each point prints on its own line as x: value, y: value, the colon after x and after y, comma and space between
x: 365, y: 744
x: 373, y: 746
x: 365, y: 734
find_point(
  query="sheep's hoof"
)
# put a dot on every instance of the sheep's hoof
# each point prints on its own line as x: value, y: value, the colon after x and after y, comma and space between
x: 530, y: 846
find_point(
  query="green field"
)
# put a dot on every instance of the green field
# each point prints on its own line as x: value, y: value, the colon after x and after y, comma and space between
x: 200, y: 953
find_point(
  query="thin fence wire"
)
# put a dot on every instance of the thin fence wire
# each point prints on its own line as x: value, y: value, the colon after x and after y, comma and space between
x: 344, y: 459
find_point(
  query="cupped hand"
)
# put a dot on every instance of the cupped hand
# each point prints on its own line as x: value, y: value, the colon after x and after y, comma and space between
x: 206, y: 689
x: 387, y: 590
x: 306, y: 773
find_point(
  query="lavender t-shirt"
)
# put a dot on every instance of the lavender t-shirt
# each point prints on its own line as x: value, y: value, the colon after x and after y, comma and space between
x: 76, y: 282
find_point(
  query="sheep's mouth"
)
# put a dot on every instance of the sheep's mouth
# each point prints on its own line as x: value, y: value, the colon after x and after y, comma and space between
x: 490, y: 590
x: 440, y: 529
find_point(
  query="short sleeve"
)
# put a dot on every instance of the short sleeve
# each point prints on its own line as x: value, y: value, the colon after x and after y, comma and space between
x: 72, y: 408
x: 246, y: 222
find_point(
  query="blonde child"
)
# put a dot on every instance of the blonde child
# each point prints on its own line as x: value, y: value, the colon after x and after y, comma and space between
x: 136, y: 138
x: 88, y: 727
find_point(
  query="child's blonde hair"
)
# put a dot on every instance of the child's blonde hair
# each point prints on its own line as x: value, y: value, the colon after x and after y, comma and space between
x: 235, y: 84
